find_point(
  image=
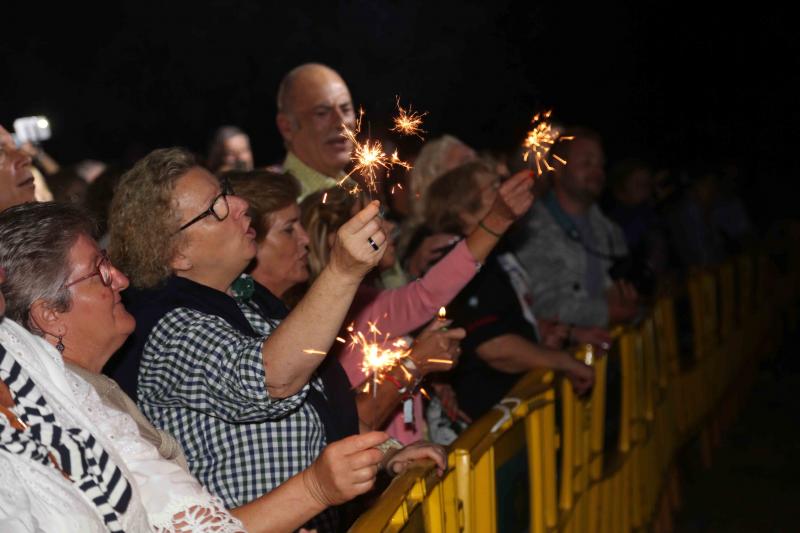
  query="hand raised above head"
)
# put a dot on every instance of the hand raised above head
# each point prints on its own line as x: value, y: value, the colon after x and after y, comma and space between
x: 514, y: 197
x: 359, y: 244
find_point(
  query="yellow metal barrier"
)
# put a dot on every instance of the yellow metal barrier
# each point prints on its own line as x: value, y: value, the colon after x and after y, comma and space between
x: 573, y: 483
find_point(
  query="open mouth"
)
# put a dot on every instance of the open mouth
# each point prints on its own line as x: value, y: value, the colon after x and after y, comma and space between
x: 339, y: 143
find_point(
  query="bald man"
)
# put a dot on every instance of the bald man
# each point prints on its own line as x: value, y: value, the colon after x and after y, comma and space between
x: 313, y: 103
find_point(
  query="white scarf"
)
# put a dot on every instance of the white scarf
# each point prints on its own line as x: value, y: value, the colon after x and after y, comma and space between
x: 74, y: 450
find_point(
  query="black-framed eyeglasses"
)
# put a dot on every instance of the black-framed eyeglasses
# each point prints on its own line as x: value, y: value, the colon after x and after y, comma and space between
x: 219, y: 206
x: 103, y: 269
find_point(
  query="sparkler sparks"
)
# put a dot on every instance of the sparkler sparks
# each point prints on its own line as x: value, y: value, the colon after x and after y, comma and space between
x: 369, y: 158
x: 380, y: 356
x: 408, y: 122
x: 540, y: 139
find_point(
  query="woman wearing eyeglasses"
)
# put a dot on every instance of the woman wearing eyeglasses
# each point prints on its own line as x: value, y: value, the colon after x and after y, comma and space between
x: 221, y: 368
x: 68, y: 445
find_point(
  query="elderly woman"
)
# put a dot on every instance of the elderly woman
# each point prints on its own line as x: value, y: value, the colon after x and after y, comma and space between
x: 16, y: 177
x: 282, y: 263
x: 72, y: 299
x: 403, y: 310
x: 223, y: 368
x: 503, y: 342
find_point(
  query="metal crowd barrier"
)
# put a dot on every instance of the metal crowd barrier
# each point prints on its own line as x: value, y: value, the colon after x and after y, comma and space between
x: 545, y: 460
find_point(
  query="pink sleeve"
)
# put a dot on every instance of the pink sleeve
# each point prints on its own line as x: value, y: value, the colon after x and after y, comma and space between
x: 402, y: 310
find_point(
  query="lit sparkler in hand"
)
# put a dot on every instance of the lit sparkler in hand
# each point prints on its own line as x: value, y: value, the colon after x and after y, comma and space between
x: 378, y: 357
x: 368, y: 157
x: 408, y: 122
x: 540, y: 139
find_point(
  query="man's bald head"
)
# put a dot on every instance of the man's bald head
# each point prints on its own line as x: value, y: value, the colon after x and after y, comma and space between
x: 313, y: 103
x: 306, y: 73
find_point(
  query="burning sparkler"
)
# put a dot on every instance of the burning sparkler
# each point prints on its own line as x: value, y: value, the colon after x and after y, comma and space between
x: 378, y: 357
x: 408, y: 122
x: 368, y: 158
x: 540, y: 139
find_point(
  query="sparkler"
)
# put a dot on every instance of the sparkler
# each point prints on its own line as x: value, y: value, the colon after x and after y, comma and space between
x: 408, y: 122
x: 368, y: 158
x: 378, y: 358
x: 540, y: 139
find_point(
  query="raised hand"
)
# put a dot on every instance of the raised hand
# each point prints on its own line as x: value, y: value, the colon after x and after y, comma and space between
x: 359, y: 244
x: 514, y: 198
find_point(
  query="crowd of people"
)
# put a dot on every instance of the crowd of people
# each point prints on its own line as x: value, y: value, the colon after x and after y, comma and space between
x: 177, y: 347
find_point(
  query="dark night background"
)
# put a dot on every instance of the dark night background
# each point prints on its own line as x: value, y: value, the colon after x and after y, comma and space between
x: 672, y: 84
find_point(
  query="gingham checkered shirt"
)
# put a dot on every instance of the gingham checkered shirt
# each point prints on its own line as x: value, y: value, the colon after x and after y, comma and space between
x: 203, y: 381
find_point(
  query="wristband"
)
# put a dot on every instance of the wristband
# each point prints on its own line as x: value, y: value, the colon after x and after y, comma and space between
x: 487, y: 230
x: 394, y: 381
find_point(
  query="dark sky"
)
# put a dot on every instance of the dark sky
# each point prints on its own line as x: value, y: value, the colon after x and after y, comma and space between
x: 674, y: 85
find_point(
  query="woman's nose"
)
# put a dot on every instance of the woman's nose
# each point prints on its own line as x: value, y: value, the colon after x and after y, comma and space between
x: 119, y: 280
x: 238, y: 205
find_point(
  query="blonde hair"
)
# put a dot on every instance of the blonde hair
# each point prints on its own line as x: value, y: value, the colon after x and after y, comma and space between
x: 429, y: 165
x: 457, y: 191
x: 144, y: 222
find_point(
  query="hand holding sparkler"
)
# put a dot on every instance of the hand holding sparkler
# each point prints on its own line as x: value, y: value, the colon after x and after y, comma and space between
x: 436, y: 348
x: 514, y: 198
x: 345, y: 469
x: 359, y: 244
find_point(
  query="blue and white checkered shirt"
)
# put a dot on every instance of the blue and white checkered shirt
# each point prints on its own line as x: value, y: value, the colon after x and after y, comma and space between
x: 203, y: 381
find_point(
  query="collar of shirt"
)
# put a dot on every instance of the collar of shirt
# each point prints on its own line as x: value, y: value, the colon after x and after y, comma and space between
x: 310, y: 180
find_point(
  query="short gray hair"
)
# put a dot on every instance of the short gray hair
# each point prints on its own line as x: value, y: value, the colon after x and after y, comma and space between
x: 35, y: 241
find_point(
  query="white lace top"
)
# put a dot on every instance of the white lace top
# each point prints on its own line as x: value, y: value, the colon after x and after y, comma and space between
x: 36, y: 498
x: 167, y: 491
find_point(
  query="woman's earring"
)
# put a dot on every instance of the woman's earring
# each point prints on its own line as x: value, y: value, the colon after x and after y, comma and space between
x: 60, y: 344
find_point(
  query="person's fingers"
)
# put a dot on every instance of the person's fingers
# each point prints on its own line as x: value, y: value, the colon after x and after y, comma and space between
x: 364, y: 458
x: 432, y: 451
x: 379, y: 237
x: 362, y: 475
x: 455, y: 333
x: 523, y: 178
x: 362, y: 487
x: 357, y: 443
x: 435, y: 325
x: 370, y: 456
x: 363, y: 217
x: 368, y: 229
